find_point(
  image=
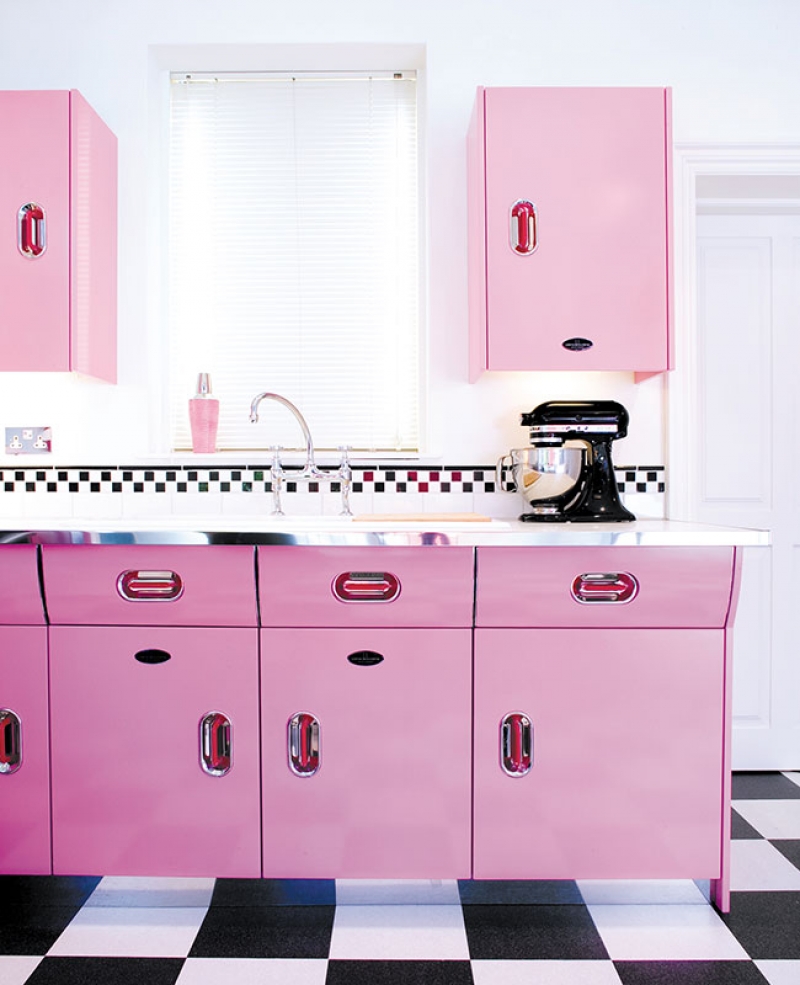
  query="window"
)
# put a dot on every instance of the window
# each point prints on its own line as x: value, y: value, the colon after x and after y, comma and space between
x: 294, y: 256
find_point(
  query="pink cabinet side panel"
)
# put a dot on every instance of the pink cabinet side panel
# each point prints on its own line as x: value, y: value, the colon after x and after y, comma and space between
x: 391, y: 798
x: 25, y: 793
x: 34, y: 293
x: 129, y: 794
x: 93, y: 298
x: 20, y: 595
x: 476, y: 238
x: 627, y: 754
x: 217, y: 585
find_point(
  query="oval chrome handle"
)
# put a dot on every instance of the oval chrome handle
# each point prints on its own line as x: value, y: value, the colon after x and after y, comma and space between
x: 516, y: 744
x: 31, y: 230
x: 604, y: 586
x: 149, y: 586
x: 366, y: 586
x: 303, y: 742
x: 215, y: 744
x: 10, y: 741
x: 523, y: 227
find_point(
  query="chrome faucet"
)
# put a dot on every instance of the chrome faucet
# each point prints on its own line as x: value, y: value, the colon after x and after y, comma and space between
x: 310, y: 471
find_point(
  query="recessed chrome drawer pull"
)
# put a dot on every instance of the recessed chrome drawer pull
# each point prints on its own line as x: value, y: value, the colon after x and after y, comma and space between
x: 597, y: 586
x: 10, y: 741
x: 366, y: 586
x: 215, y: 744
x: 150, y: 586
x: 31, y: 230
x: 303, y: 742
x: 516, y: 744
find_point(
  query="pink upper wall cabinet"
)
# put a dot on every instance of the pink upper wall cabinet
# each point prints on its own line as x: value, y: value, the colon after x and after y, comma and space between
x: 569, y: 250
x: 58, y: 235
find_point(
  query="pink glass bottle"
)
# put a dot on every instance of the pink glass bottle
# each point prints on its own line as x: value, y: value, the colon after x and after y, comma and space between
x: 204, y: 416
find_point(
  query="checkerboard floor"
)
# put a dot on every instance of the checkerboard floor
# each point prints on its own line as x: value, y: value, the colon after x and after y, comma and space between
x: 118, y: 931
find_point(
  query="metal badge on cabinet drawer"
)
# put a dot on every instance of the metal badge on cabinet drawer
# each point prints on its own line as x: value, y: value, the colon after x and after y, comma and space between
x: 516, y: 744
x: 10, y: 741
x: 303, y: 741
x: 616, y: 586
x: 150, y: 586
x: 366, y: 586
x: 215, y: 744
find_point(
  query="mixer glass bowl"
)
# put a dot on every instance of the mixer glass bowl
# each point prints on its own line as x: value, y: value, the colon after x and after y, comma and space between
x: 544, y: 473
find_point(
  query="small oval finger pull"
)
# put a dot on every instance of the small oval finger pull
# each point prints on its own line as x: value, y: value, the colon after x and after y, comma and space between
x: 523, y: 227
x: 303, y: 743
x: 31, y: 231
x: 215, y: 744
x: 152, y: 656
x: 604, y: 586
x: 516, y: 744
x: 10, y: 741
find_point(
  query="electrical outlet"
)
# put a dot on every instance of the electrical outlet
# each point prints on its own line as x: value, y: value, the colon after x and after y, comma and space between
x: 29, y: 441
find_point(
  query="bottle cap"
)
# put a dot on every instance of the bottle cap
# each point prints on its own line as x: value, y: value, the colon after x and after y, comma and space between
x: 203, y: 384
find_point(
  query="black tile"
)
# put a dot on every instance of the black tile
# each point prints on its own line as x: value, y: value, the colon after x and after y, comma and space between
x: 265, y: 932
x: 764, y: 786
x: 741, y: 828
x: 274, y: 892
x: 767, y: 925
x: 503, y: 891
x: 399, y: 973
x: 46, y: 890
x: 532, y: 933
x: 106, y: 971
x: 689, y: 973
x: 29, y: 928
x: 791, y: 849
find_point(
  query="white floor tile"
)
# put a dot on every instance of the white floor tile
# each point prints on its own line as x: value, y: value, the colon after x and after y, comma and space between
x: 144, y: 891
x: 544, y: 973
x: 780, y: 972
x: 655, y: 891
x: 758, y: 865
x: 399, y: 932
x: 772, y: 818
x: 253, y: 971
x: 15, y: 970
x: 100, y: 931
x: 794, y: 777
x: 374, y: 892
x: 665, y: 933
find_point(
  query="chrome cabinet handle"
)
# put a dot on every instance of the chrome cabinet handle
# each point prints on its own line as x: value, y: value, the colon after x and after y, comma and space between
x: 523, y: 227
x: 149, y: 586
x: 366, y: 586
x: 303, y: 742
x: 10, y: 741
x: 215, y: 744
x: 604, y: 586
x: 516, y: 744
x: 31, y: 231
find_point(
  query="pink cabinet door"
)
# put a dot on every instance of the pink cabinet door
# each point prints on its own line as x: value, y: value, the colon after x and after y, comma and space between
x: 366, y: 753
x: 24, y: 752
x: 58, y: 199
x: 598, y: 753
x: 576, y: 228
x: 155, y: 751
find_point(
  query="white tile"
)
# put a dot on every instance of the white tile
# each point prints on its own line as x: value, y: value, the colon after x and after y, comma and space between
x: 360, y: 502
x: 145, y: 504
x: 301, y: 504
x: 156, y: 932
x: 394, y: 502
x: 141, y: 891
x: 775, y: 972
x: 653, y: 891
x: 16, y: 970
x: 499, y: 505
x: 372, y: 892
x: 794, y: 777
x: 665, y: 933
x: 45, y: 504
x: 544, y: 973
x: 253, y: 971
x: 247, y: 504
x: 772, y: 818
x: 97, y: 505
x: 758, y: 865
x: 11, y: 505
x: 385, y: 933
x: 448, y: 502
x: 197, y: 503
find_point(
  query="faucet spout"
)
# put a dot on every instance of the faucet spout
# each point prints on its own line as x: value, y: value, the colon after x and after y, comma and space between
x: 298, y: 417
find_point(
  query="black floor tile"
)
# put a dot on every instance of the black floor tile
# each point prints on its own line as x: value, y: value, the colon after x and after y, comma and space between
x: 265, y: 932
x: 28, y: 928
x: 399, y: 973
x: 767, y: 925
x: 689, y: 973
x: 544, y: 891
x: 46, y: 890
x: 106, y: 971
x: 764, y: 786
x: 274, y: 892
x: 740, y: 828
x: 791, y: 849
x: 532, y: 932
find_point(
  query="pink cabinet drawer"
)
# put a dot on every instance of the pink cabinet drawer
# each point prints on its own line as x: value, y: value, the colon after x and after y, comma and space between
x: 337, y: 586
x: 145, y: 585
x: 20, y: 596
x: 604, y: 586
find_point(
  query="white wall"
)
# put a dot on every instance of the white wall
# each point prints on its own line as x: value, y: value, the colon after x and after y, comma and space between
x: 731, y: 63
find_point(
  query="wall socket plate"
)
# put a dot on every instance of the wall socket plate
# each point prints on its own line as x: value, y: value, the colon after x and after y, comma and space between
x: 29, y: 441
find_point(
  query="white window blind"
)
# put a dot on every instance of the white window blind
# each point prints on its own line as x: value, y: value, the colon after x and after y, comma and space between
x: 294, y: 259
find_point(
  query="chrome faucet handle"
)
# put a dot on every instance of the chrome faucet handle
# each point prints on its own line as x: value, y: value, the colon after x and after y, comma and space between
x: 346, y: 477
x: 277, y: 480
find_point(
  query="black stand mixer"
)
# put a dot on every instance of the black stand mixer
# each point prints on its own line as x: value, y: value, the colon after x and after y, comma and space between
x: 590, y: 427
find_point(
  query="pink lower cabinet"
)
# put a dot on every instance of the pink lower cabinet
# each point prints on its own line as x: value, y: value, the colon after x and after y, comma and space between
x: 598, y: 753
x: 366, y: 753
x: 24, y: 752
x: 155, y: 751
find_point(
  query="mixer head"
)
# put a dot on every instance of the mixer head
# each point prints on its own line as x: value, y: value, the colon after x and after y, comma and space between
x: 557, y: 421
